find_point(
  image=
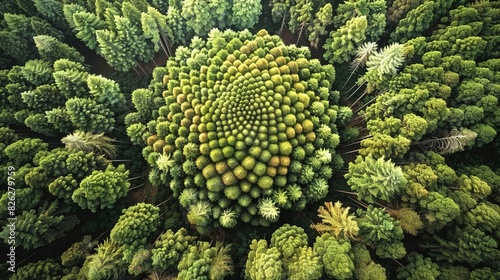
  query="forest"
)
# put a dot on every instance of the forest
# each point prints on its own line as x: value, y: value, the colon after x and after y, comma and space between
x: 250, y: 139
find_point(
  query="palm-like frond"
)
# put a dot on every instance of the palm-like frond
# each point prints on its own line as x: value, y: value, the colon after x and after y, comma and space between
x: 388, y: 60
x: 107, y: 262
x: 222, y: 263
x: 88, y: 142
x: 337, y: 221
x: 362, y: 55
x: 454, y: 141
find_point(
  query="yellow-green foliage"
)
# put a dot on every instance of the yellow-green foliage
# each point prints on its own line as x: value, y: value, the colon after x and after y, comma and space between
x: 240, y: 107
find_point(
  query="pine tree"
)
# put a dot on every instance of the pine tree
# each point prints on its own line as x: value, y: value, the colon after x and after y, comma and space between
x: 89, y: 116
x: 86, y: 27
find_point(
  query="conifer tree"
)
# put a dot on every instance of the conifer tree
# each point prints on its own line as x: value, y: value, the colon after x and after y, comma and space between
x: 102, y: 189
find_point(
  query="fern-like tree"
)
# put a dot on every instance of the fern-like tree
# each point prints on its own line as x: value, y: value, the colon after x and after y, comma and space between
x: 337, y: 221
x: 375, y: 179
x: 452, y: 142
x: 382, y: 64
x: 52, y: 49
x: 106, y: 263
x: 88, y: 142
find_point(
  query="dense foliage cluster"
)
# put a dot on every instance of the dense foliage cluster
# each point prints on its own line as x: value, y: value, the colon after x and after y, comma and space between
x: 248, y: 128
x: 247, y: 139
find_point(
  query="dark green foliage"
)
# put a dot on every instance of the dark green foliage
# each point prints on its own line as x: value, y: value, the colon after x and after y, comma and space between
x: 38, y: 227
x: 23, y: 151
x: 78, y: 252
x: 381, y: 231
x: 89, y: 116
x: 47, y: 269
x: 418, y: 268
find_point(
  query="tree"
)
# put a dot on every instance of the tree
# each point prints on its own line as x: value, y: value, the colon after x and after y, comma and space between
x: 373, y: 10
x: 263, y: 262
x: 419, y: 267
x: 106, y: 92
x: 89, y: 116
x: 375, y: 179
x: 365, y: 268
x: 301, y: 14
x: 324, y: 17
x: 245, y: 14
x: 37, y: 72
x: 336, y: 256
x: 78, y: 252
x: 43, y: 98
x: 53, y: 11
x: 337, y: 221
x: 102, y: 189
x: 202, y: 16
x: 106, y: 263
x: 410, y: 27
x: 17, y: 39
x: 134, y: 227
x: 305, y: 265
x: 439, y: 211
x: 23, y: 151
x: 381, y: 64
x: 44, y: 269
x: 240, y: 172
x: 169, y: 249
x: 39, y: 227
x: 288, y: 240
x: 379, y: 230
x: 201, y: 261
x: 342, y: 43
x: 89, y: 142
x: 52, y: 49
x: 468, y: 245
x: 86, y: 27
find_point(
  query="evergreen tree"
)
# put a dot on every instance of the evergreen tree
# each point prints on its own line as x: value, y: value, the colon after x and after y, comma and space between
x: 38, y: 227
x: 102, y: 189
x: 318, y: 28
x: 134, y: 227
x: 89, y: 116
x: 52, y: 49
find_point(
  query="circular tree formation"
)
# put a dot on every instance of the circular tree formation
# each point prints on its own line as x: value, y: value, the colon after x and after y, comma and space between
x: 248, y: 127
